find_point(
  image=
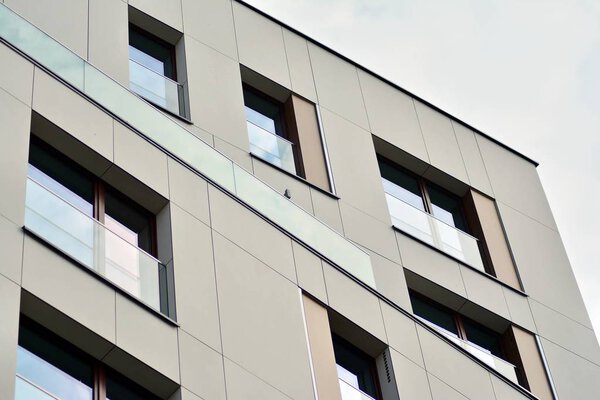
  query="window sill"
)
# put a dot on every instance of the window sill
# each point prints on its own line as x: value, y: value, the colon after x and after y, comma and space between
x: 489, y: 276
x: 298, y: 178
x: 94, y: 274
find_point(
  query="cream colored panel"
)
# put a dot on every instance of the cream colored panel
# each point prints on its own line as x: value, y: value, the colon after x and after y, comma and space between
x: 147, y: 337
x: 16, y: 74
x: 11, y: 248
x: 525, y: 193
x: 64, y: 20
x: 189, y: 191
x: 296, y: 50
x: 195, y: 287
x: 67, y: 287
x: 535, y: 246
x: 215, y: 88
x: 239, y: 156
x: 441, y: 391
x: 201, y: 368
x: 337, y: 86
x: 518, y: 307
x: 410, y: 377
x: 310, y: 272
x: 390, y: 280
x: 109, y: 33
x: 441, y: 143
x: 10, y: 294
x: 252, y: 233
x: 402, y: 334
x: 261, y: 320
x: 484, y: 291
x: 454, y: 367
x: 14, y: 152
x: 392, y: 116
x: 327, y: 210
x: 166, y: 11
x: 565, y: 332
x: 495, y: 240
x: 280, y: 181
x: 242, y: 385
x: 260, y: 44
x: 321, y: 350
x: 354, y: 302
x: 73, y: 114
x: 211, y: 22
x: 357, y: 182
x: 505, y: 392
x: 532, y: 364
x: 573, y: 376
x: 141, y: 159
x: 369, y: 232
x: 430, y: 264
x: 471, y: 155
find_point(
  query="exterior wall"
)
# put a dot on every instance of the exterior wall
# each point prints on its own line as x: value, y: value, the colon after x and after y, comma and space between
x: 240, y: 330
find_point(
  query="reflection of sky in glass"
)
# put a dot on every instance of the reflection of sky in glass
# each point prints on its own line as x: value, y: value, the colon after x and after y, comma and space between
x: 122, y: 262
x: 402, y: 194
x: 271, y: 147
x: 146, y: 60
x: 61, y: 191
x: 260, y: 120
x: 48, y: 377
x: 347, y: 376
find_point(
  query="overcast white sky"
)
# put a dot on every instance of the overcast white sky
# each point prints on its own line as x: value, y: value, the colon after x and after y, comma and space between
x: 525, y: 72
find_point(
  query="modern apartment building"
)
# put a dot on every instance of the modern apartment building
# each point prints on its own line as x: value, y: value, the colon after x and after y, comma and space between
x: 199, y: 202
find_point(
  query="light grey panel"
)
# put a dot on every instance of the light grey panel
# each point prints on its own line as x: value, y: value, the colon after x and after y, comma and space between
x: 518, y: 307
x: 261, y: 321
x: 536, y: 246
x: 410, y: 377
x: 354, y: 302
x: 147, y: 337
x: 166, y: 11
x: 525, y: 193
x: 441, y: 143
x: 337, y: 86
x: 11, y: 249
x: 73, y: 114
x: 565, y: 332
x: 188, y: 190
x: 239, y: 156
x: 484, y: 291
x: 215, y: 87
x: 390, y: 280
x: 108, y: 41
x: 471, y: 155
x: 50, y: 17
x: 16, y: 118
x: 442, y: 391
x: 16, y: 74
x: 10, y: 294
x: 504, y: 392
x: 309, y: 269
x: 260, y: 44
x: 201, y: 368
x: 242, y: 385
x: 574, y: 377
x: 327, y: 210
x: 301, y: 76
x: 258, y: 237
x: 357, y: 183
x: 402, y: 334
x: 211, y: 22
x: 68, y: 288
x: 454, y: 368
x: 392, y: 116
x: 195, y: 286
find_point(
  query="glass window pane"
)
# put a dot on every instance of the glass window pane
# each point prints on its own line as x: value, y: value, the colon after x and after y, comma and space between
x: 354, y: 367
x: 263, y: 113
x: 483, y: 337
x: 447, y: 207
x: 434, y: 314
x: 400, y: 184
x: 151, y: 52
x: 128, y: 220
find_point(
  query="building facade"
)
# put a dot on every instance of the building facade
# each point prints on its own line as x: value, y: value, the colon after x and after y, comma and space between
x: 201, y: 203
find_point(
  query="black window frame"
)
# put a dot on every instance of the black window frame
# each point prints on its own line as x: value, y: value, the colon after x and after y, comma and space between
x: 373, y: 388
x: 160, y: 42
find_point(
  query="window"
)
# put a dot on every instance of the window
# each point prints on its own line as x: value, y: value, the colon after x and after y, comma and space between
x: 355, y: 370
x: 153, y: 71
x: 93, y: 224
x: 50, y: 368
x: 431, y: 214
x: 484, y: 343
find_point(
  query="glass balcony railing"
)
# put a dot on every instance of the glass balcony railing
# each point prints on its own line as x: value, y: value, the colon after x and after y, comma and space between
x: 502, y: 366
x: 349, y: 392
x: 176, y: 140
x: 25, y: 390
x: 431, y: 230
x: 272, y: 148
x: 156, y: 88
x: 91, y: 244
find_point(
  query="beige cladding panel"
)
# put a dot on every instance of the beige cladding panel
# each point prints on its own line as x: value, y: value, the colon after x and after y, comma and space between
x: 532, y: 363
x: 495, y: 240
x: 309, y: 139
x: 9, y: 329
x: 321, y: 350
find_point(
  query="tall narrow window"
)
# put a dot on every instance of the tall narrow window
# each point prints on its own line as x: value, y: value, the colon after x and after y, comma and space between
x: 355, y: 369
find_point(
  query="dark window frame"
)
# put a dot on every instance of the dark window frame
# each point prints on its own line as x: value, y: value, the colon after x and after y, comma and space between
x: 371, y: 365
x: 170, y: 47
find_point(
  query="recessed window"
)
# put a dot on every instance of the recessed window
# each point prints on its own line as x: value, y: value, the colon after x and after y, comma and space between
x: 356, y: 370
